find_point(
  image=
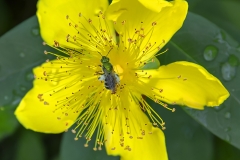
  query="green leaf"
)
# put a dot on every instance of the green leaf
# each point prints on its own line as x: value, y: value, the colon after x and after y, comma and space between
x: 190, y: 44
x: 8, y: 123
x: 21, y: 50
x: 224, y: 13
x: 30, y: 146
x: 8, y: 147
x: 224, y: 151
x: 185, y: 138
x: 77, y: 151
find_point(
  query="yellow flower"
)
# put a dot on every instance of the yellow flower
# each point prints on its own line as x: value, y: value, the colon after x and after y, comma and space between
x: 81, y: 87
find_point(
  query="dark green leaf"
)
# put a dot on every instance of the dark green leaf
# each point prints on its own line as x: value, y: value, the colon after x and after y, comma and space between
x: 75, y: 150
x: 21, y: 50
x: 190, y: 44
x: 30, y: 146
x: 224, y: 151
x: 224, y: 13
x: 8, y: 123
x: 8, y: 147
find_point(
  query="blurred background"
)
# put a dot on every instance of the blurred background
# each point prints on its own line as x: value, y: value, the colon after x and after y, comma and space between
x: 13, y: 12
x: 186, y: 139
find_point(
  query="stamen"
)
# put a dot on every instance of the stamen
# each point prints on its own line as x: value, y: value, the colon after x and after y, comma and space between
x: 75, y: 74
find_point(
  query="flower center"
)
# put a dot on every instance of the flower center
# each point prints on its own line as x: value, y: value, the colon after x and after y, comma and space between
x: 119, y: 69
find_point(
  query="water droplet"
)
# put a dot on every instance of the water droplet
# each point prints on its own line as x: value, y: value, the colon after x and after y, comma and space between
x: 187, y: 131
x: 6, y: 98
x: 22, y: 54
x: 221, y: 36
x: 227, y: 115
x: 210, y: 53
x: 16, y: 100
x: 228, y: 138
x: 35, y: 31
x: 233, y: 60
x: 218, y: 108
x: 29, y: 76
x: 228, y: 71
x: 227, y: 129
x: 22, y: 88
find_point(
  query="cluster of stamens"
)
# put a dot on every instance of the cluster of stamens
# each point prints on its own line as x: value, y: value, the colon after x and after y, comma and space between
x: 76, y: 73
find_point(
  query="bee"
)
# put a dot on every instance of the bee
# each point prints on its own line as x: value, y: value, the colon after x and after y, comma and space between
x: 110, y: 78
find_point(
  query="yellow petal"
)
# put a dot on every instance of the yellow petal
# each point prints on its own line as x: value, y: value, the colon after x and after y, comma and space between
x: 135, y: 20
x: 142, y: 139
x: 187, y: 84
x: 155, y: 5
x: 38, y: 115
x: 54, y: 24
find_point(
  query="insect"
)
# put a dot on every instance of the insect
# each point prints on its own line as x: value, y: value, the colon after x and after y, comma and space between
x: 109, y: 77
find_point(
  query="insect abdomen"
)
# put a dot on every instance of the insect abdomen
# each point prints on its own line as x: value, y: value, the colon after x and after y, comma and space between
x: 110, y: 82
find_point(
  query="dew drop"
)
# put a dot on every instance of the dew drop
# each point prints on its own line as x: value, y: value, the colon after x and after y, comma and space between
x: 233, y: 60
x: 228, y: 138
x: 221, y: 37
x: 22, y: 54
x: 35, y: 31
x: 16, y: 100
x: 29, y: 76
x: 6, y: 98
x: 227, y: 115
x: 187, y: 132
x: 228, y: 71
x: 227, y: 129
x: 218, y: 108
x: 210, y: 53
x: 22, y: 88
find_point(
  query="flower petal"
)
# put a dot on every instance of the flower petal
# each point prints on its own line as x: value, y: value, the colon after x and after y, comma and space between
x: 138, y: 134
x: 52, y: 17
x: 187, y: 84
x: 155, y: 5
x: 153, y: 24
x: 41, y: 115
